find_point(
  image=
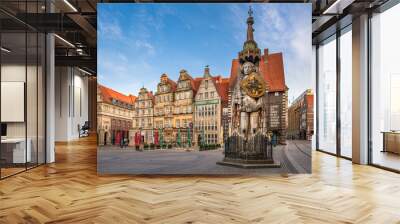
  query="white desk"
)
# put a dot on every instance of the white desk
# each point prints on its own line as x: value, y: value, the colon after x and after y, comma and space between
x: 18, y: 149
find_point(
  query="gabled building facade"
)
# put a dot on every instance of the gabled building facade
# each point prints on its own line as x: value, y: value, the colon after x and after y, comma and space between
x: 164, y: 108
x: 183, y: 109
x: 114, y: 115
x: 208, y: 103
x: 143, y: 117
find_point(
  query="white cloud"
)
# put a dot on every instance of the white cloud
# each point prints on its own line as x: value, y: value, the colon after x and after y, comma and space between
x: 281, y: 29
x: 110, y: 29
x: 145, y: 45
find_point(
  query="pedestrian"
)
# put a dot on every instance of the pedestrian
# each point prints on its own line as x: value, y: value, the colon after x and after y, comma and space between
x: 274, y: 139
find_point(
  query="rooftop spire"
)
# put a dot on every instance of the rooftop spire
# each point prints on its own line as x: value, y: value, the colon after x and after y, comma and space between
x: 207, y: 71
x: 250, y: 22
x: 250, y: 51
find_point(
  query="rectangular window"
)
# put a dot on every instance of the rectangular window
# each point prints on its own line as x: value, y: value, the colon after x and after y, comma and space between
x: 346, y: 94
x: 385, y: 88
x: 327, y: 95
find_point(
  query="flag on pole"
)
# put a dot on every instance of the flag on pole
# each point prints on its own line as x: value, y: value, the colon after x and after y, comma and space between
x: 161, y: 138
x: 156, y: 137
x: 188, y: 137
x: 137, y: 138
x: 202, y: 138
x: 178, y: 138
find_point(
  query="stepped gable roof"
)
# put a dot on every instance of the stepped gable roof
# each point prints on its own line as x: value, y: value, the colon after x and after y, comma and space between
x: 109, y: 94
x: 173, y: 84
x: 151, y: 95
x: 222, y: 89
x: 221, y: 84
x: 169, y: 81
x: 196, y: 83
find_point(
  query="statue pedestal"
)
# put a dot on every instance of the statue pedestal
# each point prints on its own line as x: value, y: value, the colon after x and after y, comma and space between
x: 246, y: 165
x: 255, y: 152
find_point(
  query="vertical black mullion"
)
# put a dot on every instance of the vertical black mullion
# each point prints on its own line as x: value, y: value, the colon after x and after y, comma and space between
x: 73, y: 91
x: 369, y: 90
x: 37, y: 89
x: 45, y: 88
x: 338, y: 81
x: 45, y: 93
x: 26, y: 86
x: 317, y: 97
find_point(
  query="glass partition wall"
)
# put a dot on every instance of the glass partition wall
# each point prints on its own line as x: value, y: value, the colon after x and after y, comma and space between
x: 334, y: 94
x: 385, y: 89
x: 22, y: 100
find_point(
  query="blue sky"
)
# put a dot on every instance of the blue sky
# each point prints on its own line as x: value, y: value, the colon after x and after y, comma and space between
x: 139, y: 42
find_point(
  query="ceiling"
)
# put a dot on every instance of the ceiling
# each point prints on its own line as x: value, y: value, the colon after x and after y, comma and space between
x: 75, y: 23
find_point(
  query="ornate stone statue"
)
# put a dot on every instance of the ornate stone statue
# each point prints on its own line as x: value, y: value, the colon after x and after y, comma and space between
x: 247, y: 144
x: 249, y: 92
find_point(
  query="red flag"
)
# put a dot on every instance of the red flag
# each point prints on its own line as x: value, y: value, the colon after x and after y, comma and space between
x: 136, y: 139
x: 156, y: 137
x: 118, y: 138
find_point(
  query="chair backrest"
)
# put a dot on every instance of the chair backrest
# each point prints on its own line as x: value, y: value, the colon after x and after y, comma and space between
x: 86, y: 125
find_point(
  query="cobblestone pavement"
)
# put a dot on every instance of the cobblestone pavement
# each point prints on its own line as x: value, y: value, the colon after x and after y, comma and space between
x: 295, y: 157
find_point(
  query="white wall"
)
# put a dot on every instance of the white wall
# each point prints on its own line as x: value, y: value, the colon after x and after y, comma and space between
x: 71, y: 103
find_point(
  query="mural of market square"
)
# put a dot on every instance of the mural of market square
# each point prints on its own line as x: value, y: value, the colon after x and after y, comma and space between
x: 249, y: 111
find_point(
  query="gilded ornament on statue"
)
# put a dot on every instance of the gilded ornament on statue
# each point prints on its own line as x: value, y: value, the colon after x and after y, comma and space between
x: 253, y: 85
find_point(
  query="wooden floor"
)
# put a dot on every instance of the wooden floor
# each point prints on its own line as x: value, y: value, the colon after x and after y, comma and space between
x: 70, y: 191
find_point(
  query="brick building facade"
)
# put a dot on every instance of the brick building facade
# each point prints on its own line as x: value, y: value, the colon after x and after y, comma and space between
x: 301, y: 117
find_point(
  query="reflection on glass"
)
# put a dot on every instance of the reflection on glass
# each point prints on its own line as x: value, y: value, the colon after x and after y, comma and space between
x: 327, y: 96
x: 13, y: 84
x: 22, y: 92
x: 31, y: 97
x: 346, y: 94
x: 41, y: 98
x: 386, y: 89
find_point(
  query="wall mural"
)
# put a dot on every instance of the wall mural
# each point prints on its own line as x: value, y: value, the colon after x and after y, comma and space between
x: 249, y: 112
